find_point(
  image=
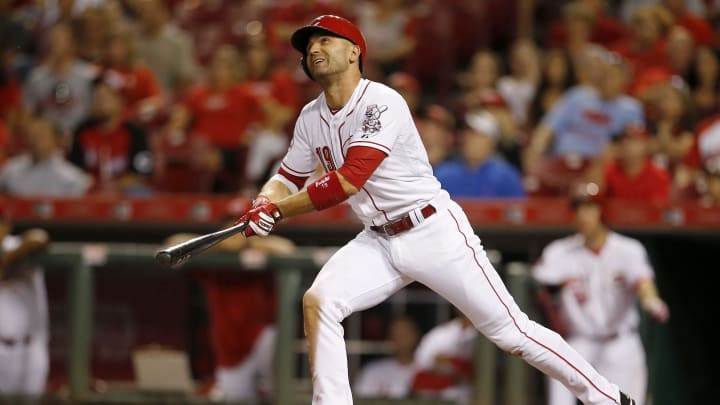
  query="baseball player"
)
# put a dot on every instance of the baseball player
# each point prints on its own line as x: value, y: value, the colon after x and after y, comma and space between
x: 24, y: 358
x: 597, y: 274
x: 363, y: 135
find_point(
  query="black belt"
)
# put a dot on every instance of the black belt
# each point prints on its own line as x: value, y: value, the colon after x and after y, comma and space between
x: 402, y: 224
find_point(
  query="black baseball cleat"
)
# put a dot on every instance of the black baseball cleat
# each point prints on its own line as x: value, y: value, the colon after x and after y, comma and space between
x: 626, y: 400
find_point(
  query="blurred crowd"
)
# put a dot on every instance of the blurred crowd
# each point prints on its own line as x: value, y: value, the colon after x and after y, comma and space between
x: 512, y: 99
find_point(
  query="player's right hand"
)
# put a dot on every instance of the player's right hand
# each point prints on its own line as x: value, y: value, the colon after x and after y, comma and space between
x: 261, y: 219
x: 657, y: 309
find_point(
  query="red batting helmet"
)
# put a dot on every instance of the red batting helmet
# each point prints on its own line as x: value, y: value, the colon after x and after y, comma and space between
x: 589, y: 193
x: 333, y: 24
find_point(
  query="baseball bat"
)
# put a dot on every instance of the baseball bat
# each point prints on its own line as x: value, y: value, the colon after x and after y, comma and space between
x: 184, y: 251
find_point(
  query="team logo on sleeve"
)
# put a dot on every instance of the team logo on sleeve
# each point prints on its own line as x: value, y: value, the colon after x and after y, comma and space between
x: 372, y: 125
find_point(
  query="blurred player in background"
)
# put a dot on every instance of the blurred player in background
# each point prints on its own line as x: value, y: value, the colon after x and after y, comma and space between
x: 391, y: 377
x: 597, y: 275
x: 444, y: 361
x: 242, y: 315
x: 24, y: 359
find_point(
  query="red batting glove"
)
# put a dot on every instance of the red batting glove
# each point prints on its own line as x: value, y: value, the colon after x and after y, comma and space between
x: 261, y: 219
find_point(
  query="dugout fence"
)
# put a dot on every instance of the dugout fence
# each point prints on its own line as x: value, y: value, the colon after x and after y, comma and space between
x: 81, y: 262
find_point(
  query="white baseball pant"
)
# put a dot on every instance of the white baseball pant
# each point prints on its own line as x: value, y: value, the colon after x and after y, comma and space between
x: 444, y: 254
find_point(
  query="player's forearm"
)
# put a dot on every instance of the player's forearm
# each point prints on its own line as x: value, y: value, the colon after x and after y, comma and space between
x: 301, y: 203
x: 647, y: 291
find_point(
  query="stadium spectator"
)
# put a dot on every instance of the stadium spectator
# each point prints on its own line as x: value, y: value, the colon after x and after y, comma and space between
x: 164, y: 47
x: 633, y: 176
x: 680, y: 54
x: 391, y: 377
x: 61, y: 87
x: 581, y: 125
x: 142, y: 95
x: 242, y: 312
x: 671, y: 124
x: 706, y: 91
x: 600, y: 27
x: 390, y: 33
x: 15, y: 49
x: 218, y: 113
x: 94, y: 25
x: 480, y: 92
x: 285, y: 17
x: 590, y: 284
x: 444, y: 361
x: 703, y: 154
x: 699, y: 27
x: 437, y: 130
x: 520, y: 86
x: 556, y: 77
x: 43, y: 170
x: 711, y: 194
x: 278, y: 99
x: 24, y: 324
x: 479, y: 82
x: 577, y: 24
x: 646, y: 46
x: 113, y: 150
x: 479, y: 173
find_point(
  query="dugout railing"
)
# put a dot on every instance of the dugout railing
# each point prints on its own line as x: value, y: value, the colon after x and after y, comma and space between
x: 81, y: 261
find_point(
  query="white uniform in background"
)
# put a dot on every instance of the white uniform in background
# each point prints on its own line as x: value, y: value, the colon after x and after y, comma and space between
x: 440, y: 251
x: 451, y: 339
x: 385, y: 378
x: 598, y: 301
x: 24, y: 359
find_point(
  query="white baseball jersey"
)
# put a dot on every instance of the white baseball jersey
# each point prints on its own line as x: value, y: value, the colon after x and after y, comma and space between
x: 376, y: 116
x: 24, y: 359
x: 385, y: 378
x: 600, y: 300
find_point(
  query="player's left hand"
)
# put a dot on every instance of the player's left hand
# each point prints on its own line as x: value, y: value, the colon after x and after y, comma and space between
x: 261, y: 219
x: 657, y: 309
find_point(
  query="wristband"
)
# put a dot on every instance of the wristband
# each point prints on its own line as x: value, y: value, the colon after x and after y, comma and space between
x: 326, y: 191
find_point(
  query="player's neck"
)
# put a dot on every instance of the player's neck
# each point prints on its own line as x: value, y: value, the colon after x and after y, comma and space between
x: 338, y: 91
x: 596, y: 240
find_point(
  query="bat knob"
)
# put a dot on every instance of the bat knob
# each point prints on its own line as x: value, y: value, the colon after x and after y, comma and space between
x: 164, y: 258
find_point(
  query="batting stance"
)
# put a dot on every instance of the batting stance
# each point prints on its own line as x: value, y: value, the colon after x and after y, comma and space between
x: 363, y: 135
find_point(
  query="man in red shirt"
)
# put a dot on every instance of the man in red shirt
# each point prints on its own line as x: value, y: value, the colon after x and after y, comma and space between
x: 633, y: 176
x: 115, y: 151
x: 218, y: 114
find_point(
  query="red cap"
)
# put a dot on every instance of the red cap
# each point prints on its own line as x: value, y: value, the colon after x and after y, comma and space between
x: 334, y: 25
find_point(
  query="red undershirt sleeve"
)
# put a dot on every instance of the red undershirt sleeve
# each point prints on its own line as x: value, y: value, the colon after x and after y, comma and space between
x: 298, y: 181
x: 360, y: 163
